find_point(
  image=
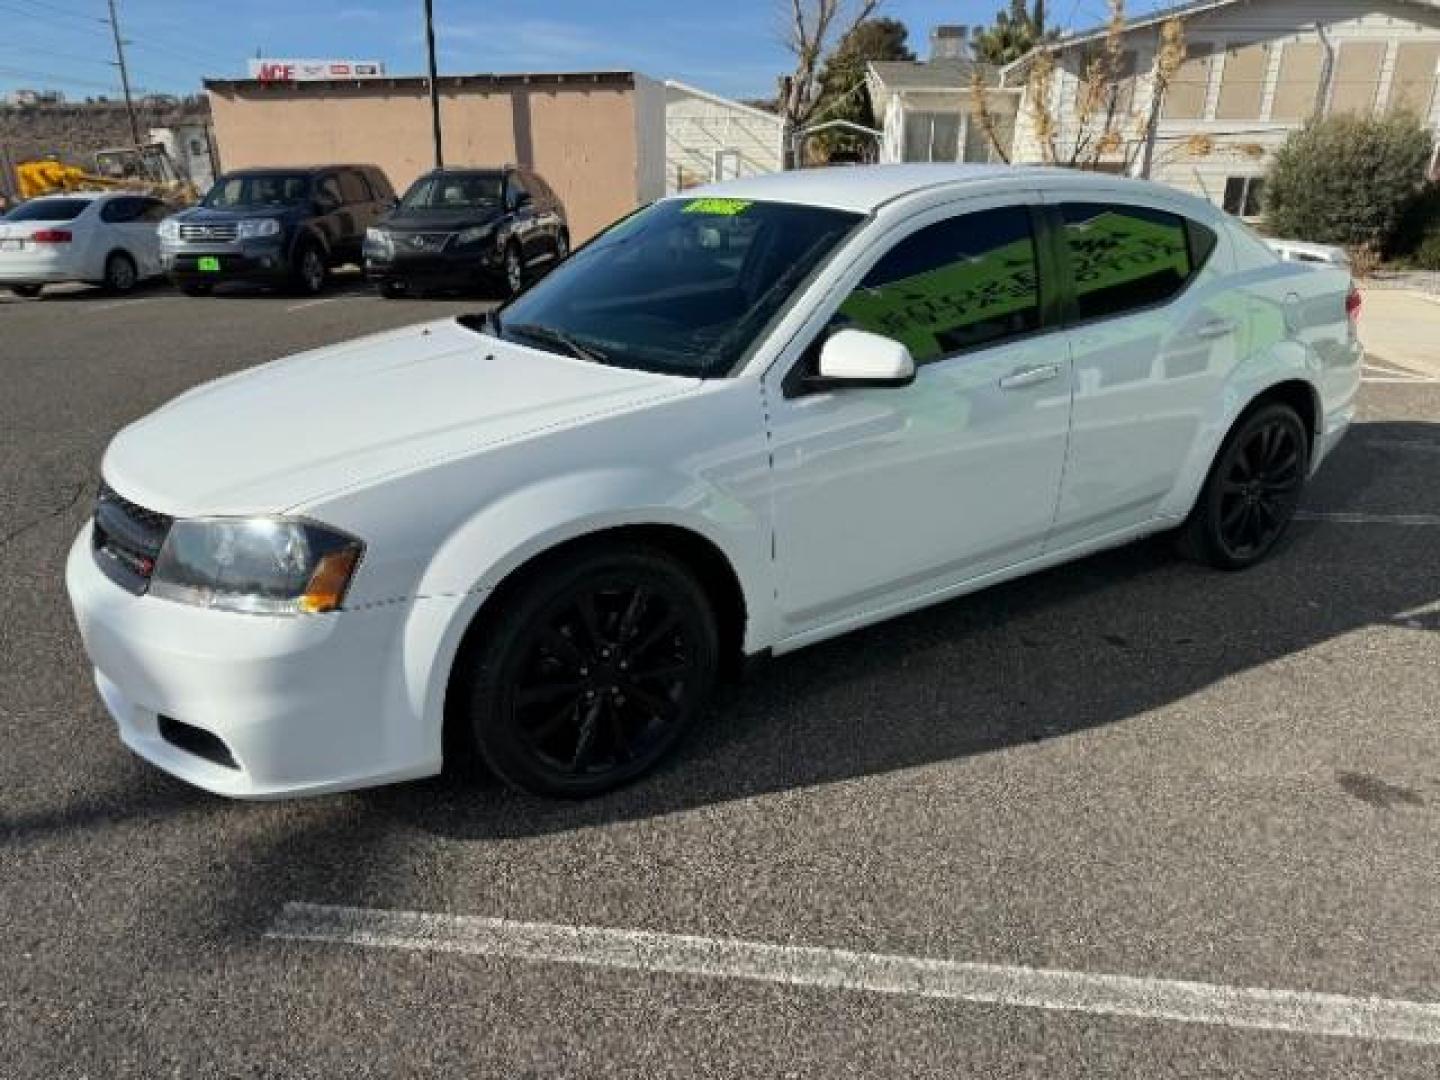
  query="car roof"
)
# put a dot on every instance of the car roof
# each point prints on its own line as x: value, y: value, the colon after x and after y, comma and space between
x: 866, y: 188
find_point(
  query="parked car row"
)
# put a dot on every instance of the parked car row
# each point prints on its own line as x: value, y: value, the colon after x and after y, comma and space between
x: 461, y: 228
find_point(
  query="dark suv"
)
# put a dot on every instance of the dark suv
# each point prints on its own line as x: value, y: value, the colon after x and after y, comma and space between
x: 459, y: 228
x: 284, y: 226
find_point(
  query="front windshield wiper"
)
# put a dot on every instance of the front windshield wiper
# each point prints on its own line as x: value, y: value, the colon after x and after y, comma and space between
x: 556, y: 337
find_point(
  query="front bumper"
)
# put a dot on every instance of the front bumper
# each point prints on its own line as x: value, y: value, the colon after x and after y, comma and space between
x: 304, y: 705
x: 251, y: 260
x: 439, y: 269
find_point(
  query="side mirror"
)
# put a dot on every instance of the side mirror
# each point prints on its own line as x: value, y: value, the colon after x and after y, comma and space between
x: 858, y: 358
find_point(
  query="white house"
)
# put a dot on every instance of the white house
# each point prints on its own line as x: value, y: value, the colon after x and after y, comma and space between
x: 925, y: 107
x: 709, y: 137
x: 1255, y: 70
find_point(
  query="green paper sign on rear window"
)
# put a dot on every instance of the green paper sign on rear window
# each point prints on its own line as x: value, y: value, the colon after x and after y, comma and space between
x: 718, y: 207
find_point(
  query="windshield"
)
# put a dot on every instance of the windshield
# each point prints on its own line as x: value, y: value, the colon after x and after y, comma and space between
x: 682, y: 287
x: 48, y: 210
x: 264, y: 189
x: 452, y: 192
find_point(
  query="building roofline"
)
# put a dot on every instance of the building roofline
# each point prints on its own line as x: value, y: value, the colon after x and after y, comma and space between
x: 719, y: 99
x: 421, y: 82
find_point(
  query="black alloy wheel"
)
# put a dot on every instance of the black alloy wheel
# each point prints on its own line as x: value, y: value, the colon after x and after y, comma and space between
x: 29, y: 292
x: 1253, y: 490
x: 593, y: 672
x: 120, y: 273
x: 394, y: 290
x: 310, y: 270
x: 562, y: 245
x: 514, y: 270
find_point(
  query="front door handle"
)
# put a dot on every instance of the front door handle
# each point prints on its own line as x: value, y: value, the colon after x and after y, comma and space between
x: 1030, y: 376
x: 1213, y: 328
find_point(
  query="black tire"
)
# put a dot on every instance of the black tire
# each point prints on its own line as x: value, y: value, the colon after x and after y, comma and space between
x: 27, y: 291
x: 562, y: 246
x: 513, y: 275
x: 1252, y: 491
x: 308, y: 273
x: 197, y: 289
x: 591, y: 672
x: 394, y: 290
x: 121, y: 275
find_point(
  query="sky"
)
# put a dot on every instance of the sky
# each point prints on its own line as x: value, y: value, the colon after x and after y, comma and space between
x: 734, y: 48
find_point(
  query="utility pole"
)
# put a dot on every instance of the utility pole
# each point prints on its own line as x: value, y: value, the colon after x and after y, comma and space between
x: 434, y: 90
x: 125, y: 75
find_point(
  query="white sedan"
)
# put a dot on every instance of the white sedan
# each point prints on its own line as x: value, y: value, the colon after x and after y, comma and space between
x: 740, y: 421
x: 103, y: 238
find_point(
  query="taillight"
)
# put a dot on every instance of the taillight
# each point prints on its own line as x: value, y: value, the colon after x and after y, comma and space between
x: 52, y: 236
x: 1352, y: 304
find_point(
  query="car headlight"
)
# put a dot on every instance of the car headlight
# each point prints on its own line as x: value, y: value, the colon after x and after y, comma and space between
x: 263, y: 566
x: 378, y: 241
x: 255, y: 228
x: 169, y: 229
x: 474, y: 234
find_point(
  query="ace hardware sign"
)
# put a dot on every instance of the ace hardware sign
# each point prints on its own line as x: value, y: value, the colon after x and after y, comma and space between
x: 314, y: 70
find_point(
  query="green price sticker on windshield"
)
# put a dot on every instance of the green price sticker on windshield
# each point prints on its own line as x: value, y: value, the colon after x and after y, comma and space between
x: 717, y: 207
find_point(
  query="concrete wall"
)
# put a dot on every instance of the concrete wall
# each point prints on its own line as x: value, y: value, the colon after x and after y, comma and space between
x: 1233, y: 81
x: 581, y: 136
x: 698, y: 125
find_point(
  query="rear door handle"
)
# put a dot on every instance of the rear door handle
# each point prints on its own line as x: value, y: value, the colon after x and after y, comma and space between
x: 1213, y: 328
x: 1030, y: 376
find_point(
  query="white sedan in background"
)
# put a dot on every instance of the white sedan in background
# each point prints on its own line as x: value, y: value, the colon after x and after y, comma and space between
x: 742, y: 420
x: 103, y: 238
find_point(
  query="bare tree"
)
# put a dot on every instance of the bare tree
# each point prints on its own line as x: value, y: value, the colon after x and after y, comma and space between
x: 810, y: 26
x: 1107, y: 126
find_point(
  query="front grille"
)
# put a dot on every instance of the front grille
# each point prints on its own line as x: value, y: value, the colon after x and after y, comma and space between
x: 421, y: 241
x: 127, y: 539
x: 197, y: 741
x: 225, y: 230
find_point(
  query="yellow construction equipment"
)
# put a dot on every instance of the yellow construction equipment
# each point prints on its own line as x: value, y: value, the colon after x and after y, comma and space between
x: 133, y: 168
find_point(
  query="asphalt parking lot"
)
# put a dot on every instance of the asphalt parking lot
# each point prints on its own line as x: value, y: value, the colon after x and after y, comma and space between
x: 1222, y: 789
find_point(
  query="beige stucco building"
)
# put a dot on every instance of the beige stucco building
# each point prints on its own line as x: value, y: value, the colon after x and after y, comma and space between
x: 598, y: 138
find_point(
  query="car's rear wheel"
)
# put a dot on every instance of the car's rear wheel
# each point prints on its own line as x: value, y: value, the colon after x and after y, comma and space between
x: 514, y: 270
x: 310, y: 270
x: 120, y: 273
x: 592, y: 671
x: 1253, y: 489
x: 27, y: 291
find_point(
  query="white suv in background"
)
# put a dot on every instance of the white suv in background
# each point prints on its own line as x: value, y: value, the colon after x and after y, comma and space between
x: 744, y: 419
x: 105, y: 238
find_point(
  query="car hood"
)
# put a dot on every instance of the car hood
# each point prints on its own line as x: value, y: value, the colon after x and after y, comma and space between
x: 276, y: 437
x: 440, y: 220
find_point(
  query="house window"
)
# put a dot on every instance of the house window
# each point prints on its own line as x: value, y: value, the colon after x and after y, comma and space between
x: 1298, y: 86
x: 1413, y: 85
x: 1242, y: 83
x: 1185, y: 96
x: 1357, y: 77
x: 727, y: 164
x: 932, y: 136
x: 1243, y: 195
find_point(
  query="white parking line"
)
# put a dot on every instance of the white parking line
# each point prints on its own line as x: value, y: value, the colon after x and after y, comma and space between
x: 328, y: 300
x: 95, y: 309
x: 1343, y: 518
x: 840, y: 969
x: 1419, y: 446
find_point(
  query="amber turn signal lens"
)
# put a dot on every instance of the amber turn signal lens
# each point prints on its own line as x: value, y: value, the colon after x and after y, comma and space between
x: 329, y: 581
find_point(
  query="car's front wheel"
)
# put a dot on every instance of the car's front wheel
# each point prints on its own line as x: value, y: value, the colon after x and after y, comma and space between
x: 394, y: 290
x: 310, y: 270
x: 27, y: 291
x: 120, y: 273
x: 1253, y: 489
x: 514, y: 270
x: 591, y: 672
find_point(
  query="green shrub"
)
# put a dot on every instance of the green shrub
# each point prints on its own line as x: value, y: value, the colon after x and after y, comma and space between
x: 1347, y: 179
x: 1420, y: 219
x: 1427, y: 255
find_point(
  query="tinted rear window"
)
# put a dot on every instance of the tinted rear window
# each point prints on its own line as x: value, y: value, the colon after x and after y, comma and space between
x: 48, y: 210
x: 1124, y: 257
